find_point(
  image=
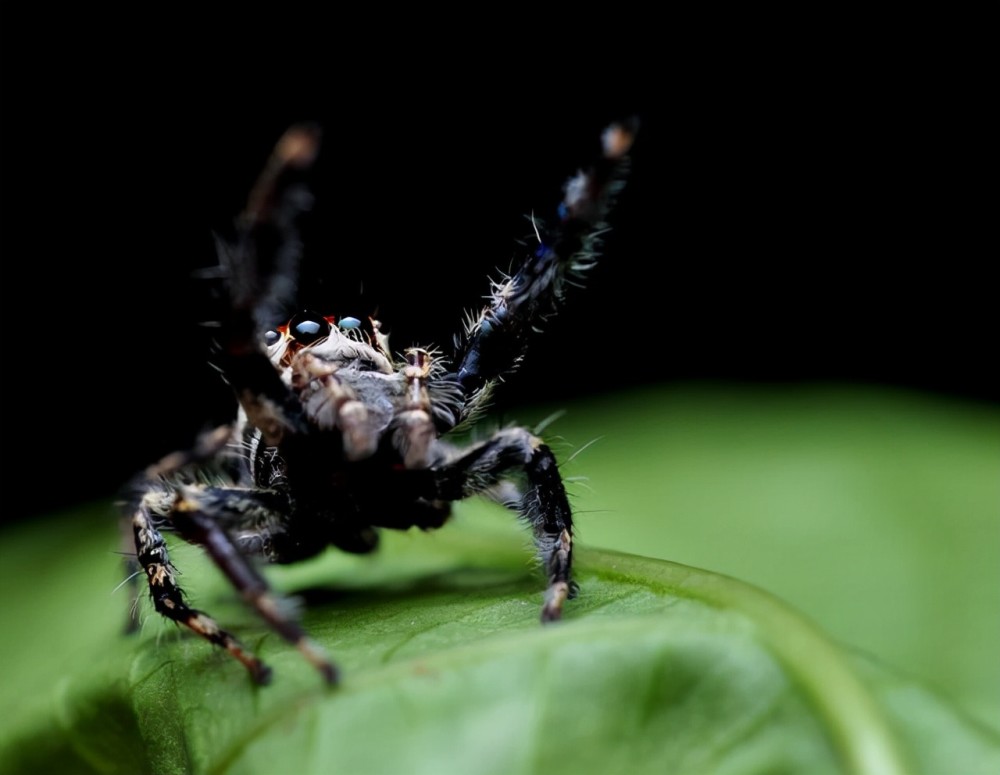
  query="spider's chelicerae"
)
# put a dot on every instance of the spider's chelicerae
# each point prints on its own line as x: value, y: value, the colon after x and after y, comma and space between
x: 336, y: 437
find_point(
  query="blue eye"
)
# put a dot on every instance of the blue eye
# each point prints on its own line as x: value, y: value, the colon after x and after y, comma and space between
x: 307, y: 327
x: 349, y: 323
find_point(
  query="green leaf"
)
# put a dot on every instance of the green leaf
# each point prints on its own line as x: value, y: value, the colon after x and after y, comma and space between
x: 875, y: 511
x: 657, y: 667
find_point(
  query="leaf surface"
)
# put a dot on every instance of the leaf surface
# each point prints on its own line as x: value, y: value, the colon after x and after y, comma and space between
x: 657, y: 667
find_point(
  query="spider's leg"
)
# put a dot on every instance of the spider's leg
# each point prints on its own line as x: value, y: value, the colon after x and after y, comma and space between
x: 132, y: 571
x: 144, y: 487
x: 260, y: 267
x: 496, y: 338
x: 544, y: 504
x: 198, y: 514
x: 151, y: 552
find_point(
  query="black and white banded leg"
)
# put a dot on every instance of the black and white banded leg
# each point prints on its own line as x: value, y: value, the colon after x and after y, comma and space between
x: 544, y: 505
x: 187, y: 513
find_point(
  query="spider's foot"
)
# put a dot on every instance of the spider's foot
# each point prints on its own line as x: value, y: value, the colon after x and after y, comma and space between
x: 203, y: 625
x: 259, y: 672
x: 560, y: 587
x: 555, y: 596
x: 317, y: 658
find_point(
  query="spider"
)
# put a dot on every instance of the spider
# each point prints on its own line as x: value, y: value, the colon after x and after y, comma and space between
x: 335, y: 436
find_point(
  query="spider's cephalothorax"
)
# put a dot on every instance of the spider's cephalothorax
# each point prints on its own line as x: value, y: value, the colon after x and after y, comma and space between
x: 336, y: 437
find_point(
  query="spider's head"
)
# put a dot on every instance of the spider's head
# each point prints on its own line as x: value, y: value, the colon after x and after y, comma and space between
x: 340, y: 374
x: 303, y: 330
x: 324, y: 337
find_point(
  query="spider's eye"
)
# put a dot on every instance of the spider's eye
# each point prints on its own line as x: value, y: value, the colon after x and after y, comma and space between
x: 271, y: 337
x: 307, y: 327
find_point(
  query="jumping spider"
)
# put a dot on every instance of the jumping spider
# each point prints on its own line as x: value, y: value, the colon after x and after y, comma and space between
x: 335, y: 436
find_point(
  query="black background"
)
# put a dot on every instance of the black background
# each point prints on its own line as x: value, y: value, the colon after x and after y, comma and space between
x: 790, y: 218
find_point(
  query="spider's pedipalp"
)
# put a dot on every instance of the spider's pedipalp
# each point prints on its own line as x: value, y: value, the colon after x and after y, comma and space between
x: 330, y: 403
x: 414, y: 430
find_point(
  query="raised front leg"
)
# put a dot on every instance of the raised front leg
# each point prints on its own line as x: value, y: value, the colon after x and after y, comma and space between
x: 496, y: 338
x: 259, y: 268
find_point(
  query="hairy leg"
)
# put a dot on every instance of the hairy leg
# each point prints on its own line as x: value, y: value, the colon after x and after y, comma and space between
x: 151, y: 553
x: 543, y: 505
x: 198, y: 515
x: 495, y: 340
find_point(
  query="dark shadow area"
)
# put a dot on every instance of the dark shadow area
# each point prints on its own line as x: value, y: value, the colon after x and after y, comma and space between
x: 782, y: 224
x: 480, y: 582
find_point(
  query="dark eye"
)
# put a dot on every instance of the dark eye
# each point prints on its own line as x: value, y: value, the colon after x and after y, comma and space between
x: 307, y: 327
